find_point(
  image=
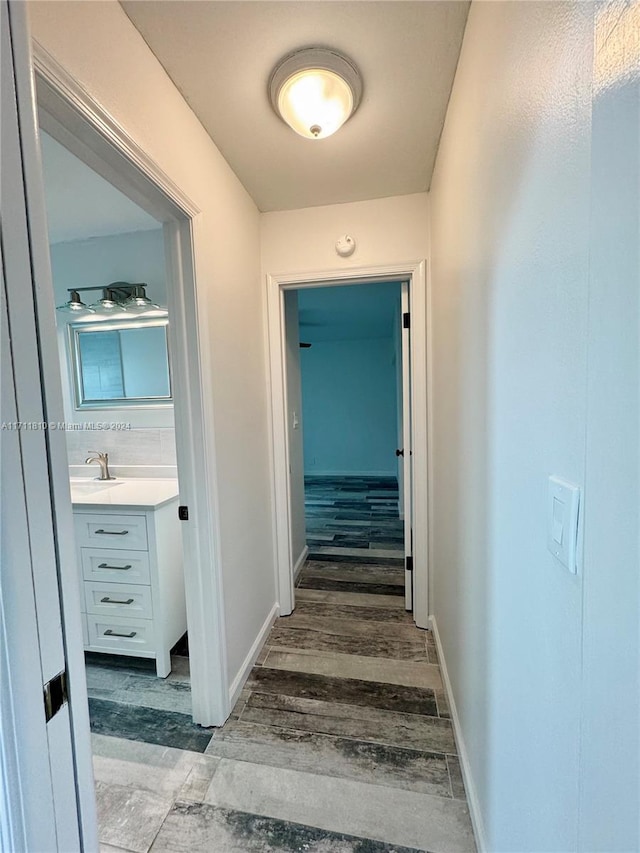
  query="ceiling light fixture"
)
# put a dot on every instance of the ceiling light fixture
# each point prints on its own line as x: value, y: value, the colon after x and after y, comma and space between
x: 315, y: 91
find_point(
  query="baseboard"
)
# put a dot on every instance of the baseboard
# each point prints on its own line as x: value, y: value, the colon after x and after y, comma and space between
x: 300, y: 563
x: 238, y: 682
x: 386, y: 474
x: 472, y: 794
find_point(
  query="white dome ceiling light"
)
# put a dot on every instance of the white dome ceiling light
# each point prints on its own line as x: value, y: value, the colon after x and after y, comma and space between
x: 315, y: 91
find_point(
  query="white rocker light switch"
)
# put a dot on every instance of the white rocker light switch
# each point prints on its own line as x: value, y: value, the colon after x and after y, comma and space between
x: 562, y: 522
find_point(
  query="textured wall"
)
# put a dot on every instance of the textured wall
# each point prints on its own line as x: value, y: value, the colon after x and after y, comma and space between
x: 610, y: 772
x: 510, y: 250
x: 535, y: 313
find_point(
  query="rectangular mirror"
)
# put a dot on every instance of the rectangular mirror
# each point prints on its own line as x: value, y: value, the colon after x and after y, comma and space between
x: 120, y: 363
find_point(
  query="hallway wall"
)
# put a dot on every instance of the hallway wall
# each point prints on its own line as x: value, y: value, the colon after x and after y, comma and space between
x: 610, y: 755
x: 536, y: 373
x: 386, y: 230
x: 99, y: 46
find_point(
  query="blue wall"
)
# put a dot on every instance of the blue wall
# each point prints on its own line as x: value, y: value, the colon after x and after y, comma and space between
x: 349, y: 399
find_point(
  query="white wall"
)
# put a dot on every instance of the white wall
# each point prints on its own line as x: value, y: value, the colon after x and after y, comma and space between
x: 349, y: 406
x: 609, y: 788
x: 137, y: 256
x: 99, y: 46
x: 295, y: 425
x: 519, y: 374
x: 386, y: 230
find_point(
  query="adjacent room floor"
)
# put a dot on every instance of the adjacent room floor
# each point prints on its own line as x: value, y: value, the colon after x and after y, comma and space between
x: 341, y: 741
x: 353, y: 515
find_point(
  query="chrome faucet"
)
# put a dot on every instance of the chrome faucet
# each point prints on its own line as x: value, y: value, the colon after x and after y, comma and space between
x: 103, y: 461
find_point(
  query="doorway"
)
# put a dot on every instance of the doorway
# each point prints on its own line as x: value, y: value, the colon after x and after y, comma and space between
x: 115, y: 372
x: 72, y: 119
x: 351, y: 419
x: 415, y: 386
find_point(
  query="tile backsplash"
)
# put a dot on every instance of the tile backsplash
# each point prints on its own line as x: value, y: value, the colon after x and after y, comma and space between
x: 125, y: 447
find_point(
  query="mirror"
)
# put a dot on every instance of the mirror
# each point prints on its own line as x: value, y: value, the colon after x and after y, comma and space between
x: 120, y: 363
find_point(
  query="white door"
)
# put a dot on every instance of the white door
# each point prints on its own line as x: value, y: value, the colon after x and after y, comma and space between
x: 47, y: 791
x: 407, y: 480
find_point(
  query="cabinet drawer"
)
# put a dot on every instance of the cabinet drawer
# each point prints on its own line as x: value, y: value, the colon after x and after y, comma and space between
x: 117, y: 634
x: 118, y: 599
x: 113, y: 566
x: 111, y: 531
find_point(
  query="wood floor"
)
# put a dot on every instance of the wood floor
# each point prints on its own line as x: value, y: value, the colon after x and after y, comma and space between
x: 355, y: 516
x: 340, y: 742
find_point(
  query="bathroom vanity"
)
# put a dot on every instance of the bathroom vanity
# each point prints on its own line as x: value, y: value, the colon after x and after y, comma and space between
x: 130, y: 558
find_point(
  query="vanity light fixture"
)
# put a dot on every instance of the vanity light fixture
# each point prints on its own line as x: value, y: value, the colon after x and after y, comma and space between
x: 75, y: 305
x: 108, y: 303
x: 139, y: 302
x: 315, y: 91
x: 119, y: 297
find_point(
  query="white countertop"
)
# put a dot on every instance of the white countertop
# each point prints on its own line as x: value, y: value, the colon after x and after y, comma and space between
x: 140, y: 493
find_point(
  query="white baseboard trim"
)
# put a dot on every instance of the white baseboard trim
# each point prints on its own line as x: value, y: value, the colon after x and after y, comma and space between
x: 238, y: 682
x: 351, y: 474
x: 472, y: 794
x: 300, y: 563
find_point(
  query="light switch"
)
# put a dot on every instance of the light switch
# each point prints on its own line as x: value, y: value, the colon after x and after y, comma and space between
x: 562, y: 522
x: 558, y: 520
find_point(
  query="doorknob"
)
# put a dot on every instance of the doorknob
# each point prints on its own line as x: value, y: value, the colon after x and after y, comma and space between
x: 400, y: 452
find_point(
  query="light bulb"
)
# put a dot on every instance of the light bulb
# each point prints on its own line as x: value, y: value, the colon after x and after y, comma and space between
x: 315, y: 102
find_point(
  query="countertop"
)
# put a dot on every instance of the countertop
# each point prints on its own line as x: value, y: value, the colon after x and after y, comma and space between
x: 136, y: 493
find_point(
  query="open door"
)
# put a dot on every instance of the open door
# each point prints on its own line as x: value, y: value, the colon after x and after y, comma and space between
x: 407, y: 478
x: 46, y: 797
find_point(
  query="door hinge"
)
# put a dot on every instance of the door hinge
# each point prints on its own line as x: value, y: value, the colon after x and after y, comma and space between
x: 55, y: 695
x: 406, y: 320
x: 183, y: 513
x: 408, y: 564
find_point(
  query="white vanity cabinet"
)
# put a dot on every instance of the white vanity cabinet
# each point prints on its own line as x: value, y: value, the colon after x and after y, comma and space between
x: 130, y: 559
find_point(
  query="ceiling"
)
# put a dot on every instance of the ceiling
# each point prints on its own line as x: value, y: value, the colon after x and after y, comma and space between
x: 352, y: 312
x: 80, y: 204
x: 220, y: 54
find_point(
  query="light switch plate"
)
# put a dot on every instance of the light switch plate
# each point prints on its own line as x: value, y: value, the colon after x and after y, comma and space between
x: 563, y: 508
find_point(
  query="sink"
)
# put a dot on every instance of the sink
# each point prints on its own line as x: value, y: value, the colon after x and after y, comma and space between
x: 90, y: 487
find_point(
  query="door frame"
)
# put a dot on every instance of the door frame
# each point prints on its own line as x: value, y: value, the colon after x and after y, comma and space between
x: 45, y: 766
x: 415, y: 272
x: 407, y: 446
x: 79, y: 122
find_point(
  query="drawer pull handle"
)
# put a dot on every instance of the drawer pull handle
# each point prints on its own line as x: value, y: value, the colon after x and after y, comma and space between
x: 119, y: 568
x: 112, y: 532
x: 110, y: 633
x: 107, y: 600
